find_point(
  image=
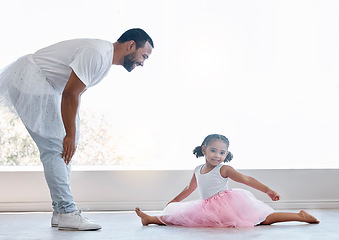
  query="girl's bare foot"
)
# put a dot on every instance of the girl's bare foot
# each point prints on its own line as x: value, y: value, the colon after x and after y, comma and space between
x: 308, y: 217
x: 145, y: 219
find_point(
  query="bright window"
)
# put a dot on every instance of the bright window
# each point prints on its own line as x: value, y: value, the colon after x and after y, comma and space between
x: 263, y: 73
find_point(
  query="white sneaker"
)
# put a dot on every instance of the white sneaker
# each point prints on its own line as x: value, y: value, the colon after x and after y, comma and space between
x: 55, y: 219
x: 74, y: 221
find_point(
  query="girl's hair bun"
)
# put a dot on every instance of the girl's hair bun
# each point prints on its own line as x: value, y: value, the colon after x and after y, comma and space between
x: 229, y: 157
x: 198, y: 152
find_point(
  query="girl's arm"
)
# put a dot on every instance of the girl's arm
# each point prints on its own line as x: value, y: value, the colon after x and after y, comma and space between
x: 228, y: 171
x: 187, y: 191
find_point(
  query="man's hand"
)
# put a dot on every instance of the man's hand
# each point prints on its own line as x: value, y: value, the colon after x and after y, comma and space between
x: 69, y: 108
x: 69, y: 148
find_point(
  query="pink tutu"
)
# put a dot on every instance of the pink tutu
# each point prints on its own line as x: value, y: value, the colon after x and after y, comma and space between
x: 230, y: 208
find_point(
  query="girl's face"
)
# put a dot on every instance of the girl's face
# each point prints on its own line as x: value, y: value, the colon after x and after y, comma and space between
x: 215, y: 152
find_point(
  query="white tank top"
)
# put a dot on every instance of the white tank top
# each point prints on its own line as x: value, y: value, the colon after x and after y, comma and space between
x: 210, y: 183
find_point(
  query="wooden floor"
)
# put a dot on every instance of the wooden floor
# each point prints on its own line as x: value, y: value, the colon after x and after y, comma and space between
x: 126, y: 225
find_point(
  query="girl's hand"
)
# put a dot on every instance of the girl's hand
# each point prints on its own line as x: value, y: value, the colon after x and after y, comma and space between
x: 273, y: 195
x: 69, y: 148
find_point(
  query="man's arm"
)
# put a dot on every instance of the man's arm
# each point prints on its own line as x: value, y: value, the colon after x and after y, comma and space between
x: 69, y: 107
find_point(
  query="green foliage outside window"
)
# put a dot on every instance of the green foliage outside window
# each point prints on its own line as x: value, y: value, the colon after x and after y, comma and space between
x: 100, y: 143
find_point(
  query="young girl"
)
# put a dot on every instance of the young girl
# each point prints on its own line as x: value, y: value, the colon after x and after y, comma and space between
x: 218, y: 206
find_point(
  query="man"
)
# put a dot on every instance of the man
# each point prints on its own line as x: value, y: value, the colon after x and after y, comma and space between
x: 45, y: 89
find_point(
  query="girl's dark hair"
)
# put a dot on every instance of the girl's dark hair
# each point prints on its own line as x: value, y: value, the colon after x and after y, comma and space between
x: 139, y: 36
x: 198, y: 150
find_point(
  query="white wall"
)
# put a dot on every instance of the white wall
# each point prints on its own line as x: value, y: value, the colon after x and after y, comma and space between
x: 152, y: 189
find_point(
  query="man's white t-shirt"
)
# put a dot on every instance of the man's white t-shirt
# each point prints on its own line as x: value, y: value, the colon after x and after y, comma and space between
x: 90, y: 59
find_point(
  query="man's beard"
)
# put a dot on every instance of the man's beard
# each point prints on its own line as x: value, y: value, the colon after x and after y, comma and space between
x: 129, y: 61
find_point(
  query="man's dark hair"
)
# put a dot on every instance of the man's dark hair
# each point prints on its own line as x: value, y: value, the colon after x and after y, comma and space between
x: 139, y: 36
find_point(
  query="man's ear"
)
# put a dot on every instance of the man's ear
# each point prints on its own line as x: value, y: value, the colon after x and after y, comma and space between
x: 131, y: 45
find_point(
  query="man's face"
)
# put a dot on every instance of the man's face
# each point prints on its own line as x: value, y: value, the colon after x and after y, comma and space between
x: 137, y: 58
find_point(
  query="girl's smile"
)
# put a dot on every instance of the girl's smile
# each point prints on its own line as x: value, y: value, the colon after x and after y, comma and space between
x: 215, y: 152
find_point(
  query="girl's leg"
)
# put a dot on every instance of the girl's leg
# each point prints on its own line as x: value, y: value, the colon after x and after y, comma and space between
x: 302, y: 216
x: 147, y: 219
